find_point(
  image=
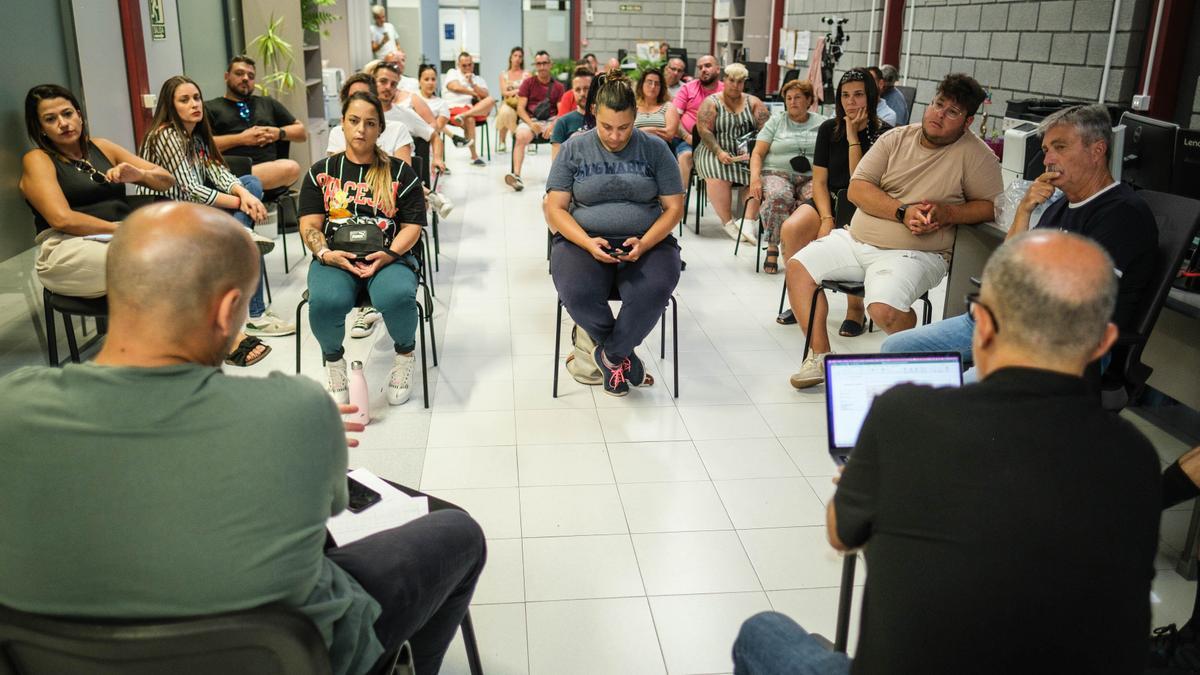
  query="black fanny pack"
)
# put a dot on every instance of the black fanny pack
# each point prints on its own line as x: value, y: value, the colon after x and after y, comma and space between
x: 358, y: 235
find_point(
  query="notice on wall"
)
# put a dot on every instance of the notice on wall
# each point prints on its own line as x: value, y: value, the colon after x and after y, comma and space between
x: 803, y: 45
x: 158, y: 21
x: 629, y: 8
x: 448, y: 31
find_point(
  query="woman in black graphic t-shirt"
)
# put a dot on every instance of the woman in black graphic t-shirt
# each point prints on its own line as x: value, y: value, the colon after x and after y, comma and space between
x: 363, y: 187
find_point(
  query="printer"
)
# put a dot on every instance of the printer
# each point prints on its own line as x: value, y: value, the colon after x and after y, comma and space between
x: 1023, y: 146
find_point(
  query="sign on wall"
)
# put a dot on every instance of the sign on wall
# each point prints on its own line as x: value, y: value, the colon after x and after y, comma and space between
x: 158, y: 21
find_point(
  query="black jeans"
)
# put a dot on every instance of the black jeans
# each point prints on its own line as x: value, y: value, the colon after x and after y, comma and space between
x: 585, y: 285
x: 423, y: 574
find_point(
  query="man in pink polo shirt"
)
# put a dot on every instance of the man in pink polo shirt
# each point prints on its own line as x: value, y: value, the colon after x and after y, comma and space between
x: 687, y: 102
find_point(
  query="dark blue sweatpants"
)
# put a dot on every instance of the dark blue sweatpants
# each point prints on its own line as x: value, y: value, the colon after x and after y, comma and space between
x: 585, y: 285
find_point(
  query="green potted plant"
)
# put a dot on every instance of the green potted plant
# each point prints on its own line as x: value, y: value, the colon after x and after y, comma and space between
x: 275, y: 55
x: 313, y: 18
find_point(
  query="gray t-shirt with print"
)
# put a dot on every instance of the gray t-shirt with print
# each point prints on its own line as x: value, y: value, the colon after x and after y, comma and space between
x: 615, y: 194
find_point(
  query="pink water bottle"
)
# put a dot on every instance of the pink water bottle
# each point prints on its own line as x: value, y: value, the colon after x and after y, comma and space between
x: 358, y: 394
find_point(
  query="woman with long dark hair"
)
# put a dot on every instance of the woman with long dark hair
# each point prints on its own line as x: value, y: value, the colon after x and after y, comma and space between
x: 510, y: 84
x: 614, y: 231
x: 74, y: 183
x: 181, y: 140
x: 363, y: 188
x: 841, y: 143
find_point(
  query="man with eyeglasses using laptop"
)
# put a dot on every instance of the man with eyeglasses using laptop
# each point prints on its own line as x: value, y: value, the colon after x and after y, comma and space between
x: 246, y: 125
x: 912, y: 188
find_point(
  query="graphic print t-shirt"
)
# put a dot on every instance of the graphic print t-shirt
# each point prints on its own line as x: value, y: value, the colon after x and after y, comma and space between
x: 615, y: 194
x: 337, y: 188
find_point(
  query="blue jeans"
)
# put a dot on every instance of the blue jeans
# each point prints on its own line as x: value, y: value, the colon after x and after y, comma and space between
x: 332, y: 292
x: 770, y: 643
x: 949, y: 335
x: 253, y: 186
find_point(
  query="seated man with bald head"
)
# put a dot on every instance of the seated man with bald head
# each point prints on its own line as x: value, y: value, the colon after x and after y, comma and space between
x: 148, y: 484
x: 1012, y: 527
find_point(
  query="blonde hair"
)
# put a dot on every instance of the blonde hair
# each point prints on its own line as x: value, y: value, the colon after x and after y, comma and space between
x: 736, y: 71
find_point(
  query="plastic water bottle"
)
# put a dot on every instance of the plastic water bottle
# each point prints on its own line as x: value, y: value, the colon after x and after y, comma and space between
x: 359, y: 394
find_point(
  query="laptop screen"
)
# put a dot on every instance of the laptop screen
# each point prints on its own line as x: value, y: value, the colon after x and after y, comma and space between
x: 852, y: 381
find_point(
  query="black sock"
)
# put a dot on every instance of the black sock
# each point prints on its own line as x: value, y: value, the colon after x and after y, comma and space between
x: 1176, y: 486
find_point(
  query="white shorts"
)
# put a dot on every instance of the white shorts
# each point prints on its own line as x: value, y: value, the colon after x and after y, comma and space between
x: 894, y: 277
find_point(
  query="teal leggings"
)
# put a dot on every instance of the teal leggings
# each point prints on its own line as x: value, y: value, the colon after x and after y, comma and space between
x: 332, y: 293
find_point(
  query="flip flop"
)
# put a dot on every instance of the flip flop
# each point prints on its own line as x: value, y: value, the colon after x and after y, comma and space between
x: 850, y: 328
x: 241, y: 356
x: 787, y: 318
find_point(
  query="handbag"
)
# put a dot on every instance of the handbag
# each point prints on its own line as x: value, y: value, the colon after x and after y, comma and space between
x: 543, y: 110
x: 359, y: 235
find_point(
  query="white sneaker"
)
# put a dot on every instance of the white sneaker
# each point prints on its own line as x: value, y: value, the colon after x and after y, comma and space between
x: 339, y: 384
x: 731, y: 229
x: 749, y: 228
x: 364, y: 322
x: 265, y: 244
x: 268, y: 325
x: 443, y: 205
x: 400, y: 379
x: 811, y: 373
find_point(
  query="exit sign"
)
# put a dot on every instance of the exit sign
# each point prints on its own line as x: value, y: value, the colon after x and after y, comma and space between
x: 630, y: 8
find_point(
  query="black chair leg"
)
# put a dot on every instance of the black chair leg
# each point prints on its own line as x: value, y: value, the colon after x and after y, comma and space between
x: 468, y: 634
x: 299, y: 331
x: 782, y: 295
x: 266, y: 279
x: 424, y: 368
x: 71, y: 342
x: 51, y: 331
x: 557, y: 341
x: 812, y: 315
x: 845, y: 601
x: 437, y: 245
x: 675, y: 340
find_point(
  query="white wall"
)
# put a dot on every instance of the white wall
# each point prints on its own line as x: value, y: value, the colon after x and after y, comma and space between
x: 164, y: 58
x: 102, y: 67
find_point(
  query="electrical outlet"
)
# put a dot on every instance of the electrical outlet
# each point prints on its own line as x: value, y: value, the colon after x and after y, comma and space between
x: 1141, y: 102
x: 149, y: 101
x: 590, y: 16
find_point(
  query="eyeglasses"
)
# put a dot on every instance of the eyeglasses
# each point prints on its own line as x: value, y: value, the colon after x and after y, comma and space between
x: 394, y: 67
x: 243, y: 109
x: 973, y: 299
x: 942, y: 106
x: 86, y: 167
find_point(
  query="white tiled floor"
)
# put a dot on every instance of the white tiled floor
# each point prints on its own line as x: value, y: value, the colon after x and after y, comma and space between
x: 626, y: 535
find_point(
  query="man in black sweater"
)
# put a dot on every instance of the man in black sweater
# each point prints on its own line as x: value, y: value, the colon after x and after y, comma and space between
x: 1012, y: 526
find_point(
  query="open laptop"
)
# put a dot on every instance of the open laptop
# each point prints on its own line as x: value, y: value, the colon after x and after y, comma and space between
x: 852, y: 381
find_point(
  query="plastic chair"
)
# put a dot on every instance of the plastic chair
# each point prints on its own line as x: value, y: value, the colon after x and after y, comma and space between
x: 68, y: 306
x: 1178, y: 220
x: 269, y: 640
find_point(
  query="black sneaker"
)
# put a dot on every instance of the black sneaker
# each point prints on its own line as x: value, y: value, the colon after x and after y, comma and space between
x: 635, y: 372
x: 615, y: 383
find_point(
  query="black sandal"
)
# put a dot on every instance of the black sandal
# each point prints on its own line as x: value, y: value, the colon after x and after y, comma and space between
x: 851, y: 328
x: 241, y: 356
x: 771, y: 262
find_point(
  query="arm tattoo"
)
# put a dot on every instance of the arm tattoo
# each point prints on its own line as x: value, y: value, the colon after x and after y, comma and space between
x: 705, y: 121
x: 761, y: 114
x: 314, y: 239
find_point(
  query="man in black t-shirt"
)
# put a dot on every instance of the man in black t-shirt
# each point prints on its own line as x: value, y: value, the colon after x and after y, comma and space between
x: 1012, y: 527
x: 245, y: 125
x: 1077, y: 142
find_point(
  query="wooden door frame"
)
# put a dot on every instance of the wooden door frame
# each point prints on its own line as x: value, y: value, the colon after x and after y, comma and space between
x: 134, y: 46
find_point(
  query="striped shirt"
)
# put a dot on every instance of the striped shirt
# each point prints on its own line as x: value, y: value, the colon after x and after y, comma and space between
x: 198, y: 178
x: 658, y: 118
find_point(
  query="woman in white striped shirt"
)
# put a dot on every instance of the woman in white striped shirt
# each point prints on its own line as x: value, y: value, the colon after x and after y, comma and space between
x: 181, y: 141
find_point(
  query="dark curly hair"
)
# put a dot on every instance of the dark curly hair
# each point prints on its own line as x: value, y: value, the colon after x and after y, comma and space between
x: 963, y: 90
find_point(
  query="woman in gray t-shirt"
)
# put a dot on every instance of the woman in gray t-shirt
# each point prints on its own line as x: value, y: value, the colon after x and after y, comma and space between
x: 613, y: 197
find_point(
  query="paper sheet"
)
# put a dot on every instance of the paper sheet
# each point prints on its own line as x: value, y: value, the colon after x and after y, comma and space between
x: 393, y: 510
x: 98, y: 237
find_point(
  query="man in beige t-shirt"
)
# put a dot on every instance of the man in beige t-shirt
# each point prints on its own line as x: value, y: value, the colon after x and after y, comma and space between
x: 912, y: 188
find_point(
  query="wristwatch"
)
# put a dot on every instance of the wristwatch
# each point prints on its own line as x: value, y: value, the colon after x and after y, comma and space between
x: 900, y: 212
x: 281, y: 133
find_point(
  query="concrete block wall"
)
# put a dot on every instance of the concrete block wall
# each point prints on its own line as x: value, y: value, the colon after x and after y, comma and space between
x: 1015, y: 48
x: 612, y: 29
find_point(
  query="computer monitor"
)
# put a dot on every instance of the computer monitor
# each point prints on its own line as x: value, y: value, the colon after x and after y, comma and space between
x: 852, y: 381
x: 756, y: 82
x: 1185, y: 176
x: 1149, y: 153
x: 673, y: 52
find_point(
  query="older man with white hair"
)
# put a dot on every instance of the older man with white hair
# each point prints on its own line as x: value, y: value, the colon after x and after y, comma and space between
x: 383, y: 33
